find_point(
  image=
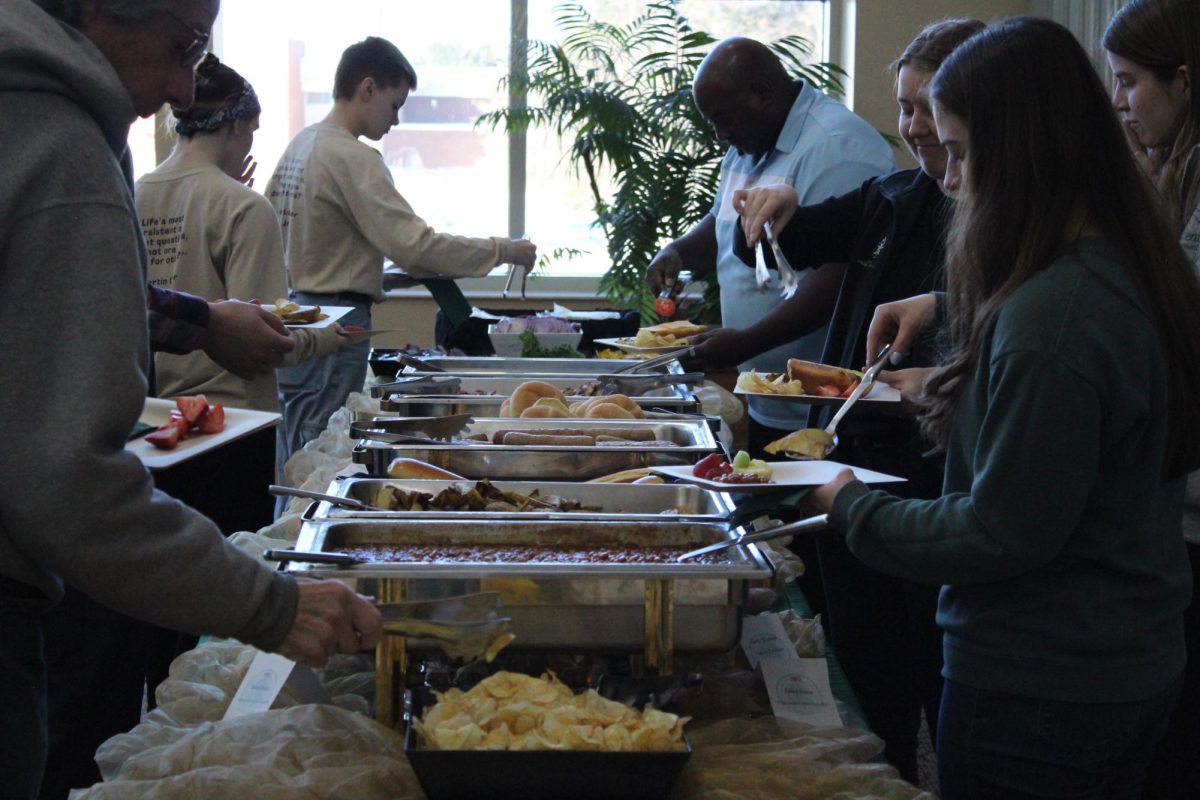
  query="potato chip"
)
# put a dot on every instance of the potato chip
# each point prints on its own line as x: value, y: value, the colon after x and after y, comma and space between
x: 769, y: 383
x: 519, y: 712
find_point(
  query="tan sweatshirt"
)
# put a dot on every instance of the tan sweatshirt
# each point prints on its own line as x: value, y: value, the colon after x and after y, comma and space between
x: 210, y: 236
x: 341, y: 216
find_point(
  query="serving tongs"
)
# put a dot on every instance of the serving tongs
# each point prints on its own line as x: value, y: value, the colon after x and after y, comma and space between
x: 333, y: 499
x: 423, y: 385
x: 512, y: 273
x: 416, y: 363
x: 809, y: 525
x: 464, y: 626
x: 414, y: 430
x: 657, y: 361
x: 788, y: 277
x: 634, y: 385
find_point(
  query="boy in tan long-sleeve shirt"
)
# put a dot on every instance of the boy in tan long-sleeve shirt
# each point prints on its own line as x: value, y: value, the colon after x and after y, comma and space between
x: 341, y: 216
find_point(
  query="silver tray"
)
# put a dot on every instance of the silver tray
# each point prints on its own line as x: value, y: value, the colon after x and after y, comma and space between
x: 614, y: 501
x: 482, y: 396
x: 692, y: 440
x: 571, y: 607
x: 534, y: 367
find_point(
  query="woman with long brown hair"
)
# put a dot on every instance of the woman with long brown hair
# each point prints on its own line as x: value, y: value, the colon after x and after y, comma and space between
x: 1153, y: 48
x: 1069, y: 412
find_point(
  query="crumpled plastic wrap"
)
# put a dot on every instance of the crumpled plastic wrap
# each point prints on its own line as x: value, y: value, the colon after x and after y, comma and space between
x: 315, y: 465
x: 717, y: 401
x: 768, y: 758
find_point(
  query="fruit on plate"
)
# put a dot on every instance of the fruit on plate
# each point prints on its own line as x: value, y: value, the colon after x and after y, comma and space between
x: 192, y: 415
x: 742, y: 469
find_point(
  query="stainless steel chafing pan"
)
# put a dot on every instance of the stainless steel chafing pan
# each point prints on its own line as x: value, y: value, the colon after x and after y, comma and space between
x: 463, y: 365
x: 613, y: 501
x: 682, y: 442
x: 597, y: 607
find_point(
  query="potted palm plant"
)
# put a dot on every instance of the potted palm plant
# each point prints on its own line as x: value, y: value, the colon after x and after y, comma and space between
x: 620, y: 96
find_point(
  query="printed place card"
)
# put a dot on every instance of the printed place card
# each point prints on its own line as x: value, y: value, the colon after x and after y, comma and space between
x: 799, y: 689
x: 260, y: 687
x: 763, y: 636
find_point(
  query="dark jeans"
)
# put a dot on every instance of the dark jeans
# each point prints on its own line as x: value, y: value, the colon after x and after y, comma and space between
x: 96, y: 676
x: 884, y: 629
x: 22, y: 691
x: 1174, y: 772
x: 1000, y: 746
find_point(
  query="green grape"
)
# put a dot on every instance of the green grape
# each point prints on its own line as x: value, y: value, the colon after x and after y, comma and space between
x: 741, y: 460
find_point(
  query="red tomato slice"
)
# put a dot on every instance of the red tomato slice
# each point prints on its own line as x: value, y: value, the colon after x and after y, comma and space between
x: 212, y: 420
x: 192, y: 406
x: 664, y: 306
x: 706, y: 464
x: 165, y: 438
x: 850, y: 389
x: 828, y: 390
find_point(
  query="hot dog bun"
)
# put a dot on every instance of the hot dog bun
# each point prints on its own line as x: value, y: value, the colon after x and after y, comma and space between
x: 812, y: 375
x: 420, y: 470
x: 679, y: 328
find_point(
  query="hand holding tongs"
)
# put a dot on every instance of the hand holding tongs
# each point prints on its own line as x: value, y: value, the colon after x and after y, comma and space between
x: 788, y: 277
x: 657, y: 361
x: 817, y: 523
x: 634, y: 385
x: 426, y: 384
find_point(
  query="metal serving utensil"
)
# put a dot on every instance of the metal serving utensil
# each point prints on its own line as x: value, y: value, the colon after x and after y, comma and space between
x: 443, y: 427
x: 345, y: 502
x: 657, y: 361
x: 426, y: 384
x: 788, y: 277
x: 336, y: 559
x: 633, y: 384
x: 868, y: 379
x: 416, y: 363
x: 811, y: 524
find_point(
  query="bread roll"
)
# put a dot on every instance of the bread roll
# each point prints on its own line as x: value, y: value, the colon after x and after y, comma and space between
x: 608, y: 411
x: 529, y: 392
x: 421, y: 470
x: 539, y: 411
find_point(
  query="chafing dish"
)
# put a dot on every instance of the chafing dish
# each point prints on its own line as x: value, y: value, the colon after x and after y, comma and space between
x: 531, y: 367
x: 482, y: 395
x: 576, y: 607
x: 613, y: 501
x: 683, y: 441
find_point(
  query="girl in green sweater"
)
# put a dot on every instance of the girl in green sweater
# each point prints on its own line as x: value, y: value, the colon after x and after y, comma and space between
x: 1069, y: 411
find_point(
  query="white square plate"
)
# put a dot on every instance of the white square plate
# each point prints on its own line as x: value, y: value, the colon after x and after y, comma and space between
x: 628, y: 346
x: 334, y: 314
x: 787, y: 475
x: 239, y: 422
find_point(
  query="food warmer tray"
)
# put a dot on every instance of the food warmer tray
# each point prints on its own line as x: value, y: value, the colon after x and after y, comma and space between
x: 597, y: 607
x: 614, y: 501
x: 691, y: 439
x: 482, y: 395
x: 534, y: 367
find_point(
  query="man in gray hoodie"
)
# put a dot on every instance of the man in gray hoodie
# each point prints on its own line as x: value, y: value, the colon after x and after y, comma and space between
x: 76, y: 508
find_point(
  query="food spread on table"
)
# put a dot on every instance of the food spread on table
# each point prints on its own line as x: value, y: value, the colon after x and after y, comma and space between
x: 742, y: 469
x: 511, y: 711
x: 538, y: 399
x: 483, y: 496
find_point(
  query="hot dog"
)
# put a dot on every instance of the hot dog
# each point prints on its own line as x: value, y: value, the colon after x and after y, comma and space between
x: 812, y: 375
x: 412, y: 468
x: 635, y: 434
x: 547, y: 439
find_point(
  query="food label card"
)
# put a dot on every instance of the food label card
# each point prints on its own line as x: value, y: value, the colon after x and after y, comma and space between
x: 259, y: 688
x: 799, y: 689
x: 763, y: 636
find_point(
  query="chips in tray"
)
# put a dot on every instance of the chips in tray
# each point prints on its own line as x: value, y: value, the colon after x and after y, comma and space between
x: 511, y: 711
x: 769, y: 383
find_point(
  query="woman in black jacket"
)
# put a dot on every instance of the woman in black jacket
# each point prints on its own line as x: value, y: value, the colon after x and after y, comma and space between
x: 881, y: 242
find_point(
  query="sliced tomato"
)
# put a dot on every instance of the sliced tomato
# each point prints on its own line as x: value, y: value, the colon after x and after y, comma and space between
x: 191, y: 406
x: 850, y: 389
x: 165, y: 438
x: 706, y: 464
x: 212, y: 420
x: 828, y: 390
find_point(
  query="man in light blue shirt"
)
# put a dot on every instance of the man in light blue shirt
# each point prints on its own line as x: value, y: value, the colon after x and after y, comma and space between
x: 779, y: 131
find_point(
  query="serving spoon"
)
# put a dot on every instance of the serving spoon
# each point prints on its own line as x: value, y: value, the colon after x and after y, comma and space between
x: 825, y: 440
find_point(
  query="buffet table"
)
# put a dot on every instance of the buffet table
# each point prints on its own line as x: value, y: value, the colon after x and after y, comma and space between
x: 185, y: 749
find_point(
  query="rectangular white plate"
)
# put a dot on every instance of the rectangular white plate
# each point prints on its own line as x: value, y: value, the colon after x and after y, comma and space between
x: 880, y: 393
x: 624, y: 344
x: 787, y: 475
x: 334, y: 314
x: 239, y: 422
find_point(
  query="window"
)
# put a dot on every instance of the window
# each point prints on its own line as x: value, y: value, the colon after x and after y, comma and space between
x: 456, y: 175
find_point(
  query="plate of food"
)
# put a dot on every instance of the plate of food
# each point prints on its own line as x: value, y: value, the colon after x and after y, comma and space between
x: 752, y: 476
x: 295, y: 315
x: 665, y: 337
x: 169, y: 441
x: 812, y: 384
